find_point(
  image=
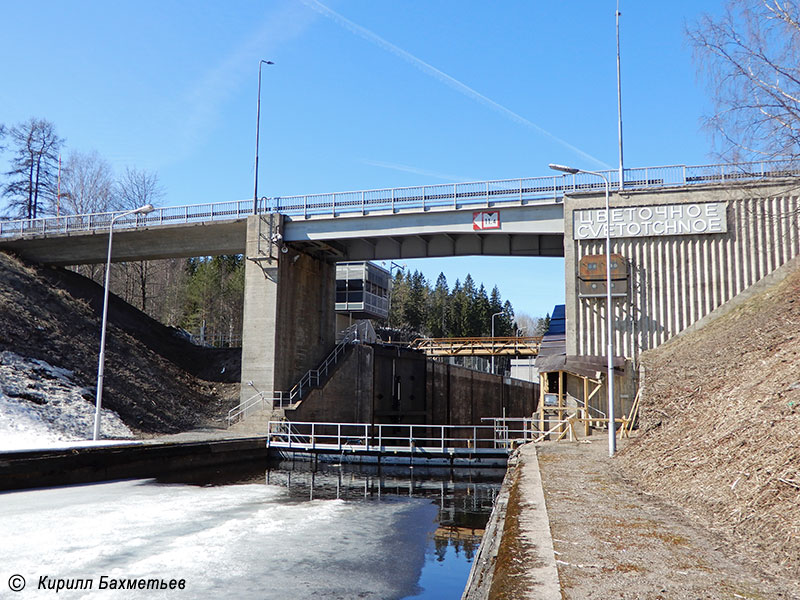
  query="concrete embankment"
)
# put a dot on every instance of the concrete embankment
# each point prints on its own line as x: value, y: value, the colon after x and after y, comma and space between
x: 43, y: 468
x: 516, y: 558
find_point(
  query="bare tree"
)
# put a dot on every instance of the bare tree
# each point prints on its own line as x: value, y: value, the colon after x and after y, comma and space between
x: 33, y: 168
x: 137, y: 188
x: 134, y: 189
x: 751, y: 55
x: 87, y: 184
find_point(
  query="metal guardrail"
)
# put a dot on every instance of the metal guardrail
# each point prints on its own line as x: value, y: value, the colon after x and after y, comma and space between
x: 410, y: 199
x: 386, y: 438
x: 503, y: 434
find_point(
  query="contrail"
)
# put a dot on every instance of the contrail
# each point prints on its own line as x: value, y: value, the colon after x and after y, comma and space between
x: 414, y: 170
x: 443, y: 77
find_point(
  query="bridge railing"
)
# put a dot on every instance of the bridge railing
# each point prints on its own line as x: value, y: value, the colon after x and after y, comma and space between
x: 412, y: 199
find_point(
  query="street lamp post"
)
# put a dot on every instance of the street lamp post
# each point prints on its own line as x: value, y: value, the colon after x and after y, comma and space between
x: 493, y: 316
x: 612, y: 439
x: 147, y: 208
x: 258, y: 123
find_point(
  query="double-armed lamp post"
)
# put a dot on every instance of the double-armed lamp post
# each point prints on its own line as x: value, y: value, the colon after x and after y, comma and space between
x: 612, y: 439
x: 142, y: 210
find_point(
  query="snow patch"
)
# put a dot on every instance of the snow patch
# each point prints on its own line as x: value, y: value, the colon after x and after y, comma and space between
x: 42, y: 407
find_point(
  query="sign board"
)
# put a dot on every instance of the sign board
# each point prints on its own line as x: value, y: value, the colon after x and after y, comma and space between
x: 597, y: 289
x: 645, y: 221
x: 486, y: 219
x: 592, y: 276
x: 592, y: 267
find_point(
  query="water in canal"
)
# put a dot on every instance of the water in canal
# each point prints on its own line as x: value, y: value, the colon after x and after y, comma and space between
x: 285, y: 530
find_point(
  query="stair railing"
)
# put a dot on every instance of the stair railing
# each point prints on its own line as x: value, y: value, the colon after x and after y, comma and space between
x: 238, y: 412
x: 358, y: 332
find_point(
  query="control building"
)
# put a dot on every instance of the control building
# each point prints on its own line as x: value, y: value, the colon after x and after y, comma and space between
x: 362, y: 292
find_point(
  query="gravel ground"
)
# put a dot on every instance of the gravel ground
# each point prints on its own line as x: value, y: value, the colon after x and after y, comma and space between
x: 613, y: 541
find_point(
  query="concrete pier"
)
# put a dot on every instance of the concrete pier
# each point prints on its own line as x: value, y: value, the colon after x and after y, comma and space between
x: 288, y: 309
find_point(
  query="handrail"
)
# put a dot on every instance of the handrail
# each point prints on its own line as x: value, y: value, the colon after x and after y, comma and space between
x: 418, y: 437
x: 237, y: 411
x: 380, y: 437
x: 414, y: 199
x: 313, y: 377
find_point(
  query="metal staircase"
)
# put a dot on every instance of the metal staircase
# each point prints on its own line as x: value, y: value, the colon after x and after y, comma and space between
x: 357, y: 333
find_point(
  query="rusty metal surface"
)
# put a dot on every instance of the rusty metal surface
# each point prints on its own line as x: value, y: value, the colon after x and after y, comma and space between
x: 479, y: 346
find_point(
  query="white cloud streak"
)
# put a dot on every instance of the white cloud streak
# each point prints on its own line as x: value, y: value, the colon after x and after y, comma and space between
x: 225, y: 78
x: 448, y: 80
x: 414, y: 170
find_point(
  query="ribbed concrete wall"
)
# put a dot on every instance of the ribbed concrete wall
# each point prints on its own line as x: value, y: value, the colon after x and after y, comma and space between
x: 676, y: 280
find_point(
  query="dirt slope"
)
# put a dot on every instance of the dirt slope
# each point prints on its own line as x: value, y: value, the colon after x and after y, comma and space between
x: 155, y: 380
x: 721, y: 426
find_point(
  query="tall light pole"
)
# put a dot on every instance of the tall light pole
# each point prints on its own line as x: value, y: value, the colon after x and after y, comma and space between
x: 493, y: 316
x: 258, y: 127
x: 619, y: 107
x: 612, y: 438
x: 147, y: 208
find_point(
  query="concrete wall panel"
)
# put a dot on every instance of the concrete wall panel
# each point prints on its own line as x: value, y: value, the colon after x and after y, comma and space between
x: 677, y: 280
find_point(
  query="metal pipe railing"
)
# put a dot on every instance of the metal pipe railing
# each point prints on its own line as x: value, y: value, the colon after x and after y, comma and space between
x: 410, y: 199
x: 408, y: 437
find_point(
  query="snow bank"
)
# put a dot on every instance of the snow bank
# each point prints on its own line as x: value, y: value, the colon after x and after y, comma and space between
x: 42, y: 407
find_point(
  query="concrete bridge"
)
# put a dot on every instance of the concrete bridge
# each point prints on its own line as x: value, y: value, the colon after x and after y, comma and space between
x: 676, y: 275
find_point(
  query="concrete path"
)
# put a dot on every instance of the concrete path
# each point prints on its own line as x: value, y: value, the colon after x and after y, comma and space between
x: 534, y: 530
x: 613, y: 541
x: 516, y: 559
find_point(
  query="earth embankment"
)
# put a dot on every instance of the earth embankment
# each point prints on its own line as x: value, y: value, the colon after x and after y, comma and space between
x: 155, y: 380
x: 719, y: 425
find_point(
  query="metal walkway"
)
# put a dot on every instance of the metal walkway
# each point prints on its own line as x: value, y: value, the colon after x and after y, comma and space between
x: 479, y: 346
x: 407, y: 199
x: 453, y: 445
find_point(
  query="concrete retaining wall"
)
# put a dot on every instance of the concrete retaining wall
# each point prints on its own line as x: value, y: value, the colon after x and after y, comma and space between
x: 45, y: 468
x: 376, y: 384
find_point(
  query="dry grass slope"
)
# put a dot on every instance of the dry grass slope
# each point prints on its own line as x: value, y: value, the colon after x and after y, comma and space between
x: 720, y: 428
x: 155, y: 381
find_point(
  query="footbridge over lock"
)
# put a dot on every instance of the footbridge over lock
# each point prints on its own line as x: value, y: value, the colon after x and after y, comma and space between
x: 292, y: 244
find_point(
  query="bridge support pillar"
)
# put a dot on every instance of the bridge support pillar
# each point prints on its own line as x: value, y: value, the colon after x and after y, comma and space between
x: 289, y: 318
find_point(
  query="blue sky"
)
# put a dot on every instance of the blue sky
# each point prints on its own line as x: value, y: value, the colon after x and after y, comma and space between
x: 363, y: 94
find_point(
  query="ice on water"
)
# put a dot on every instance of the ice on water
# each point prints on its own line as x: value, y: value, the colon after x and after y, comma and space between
x: 242, y: 541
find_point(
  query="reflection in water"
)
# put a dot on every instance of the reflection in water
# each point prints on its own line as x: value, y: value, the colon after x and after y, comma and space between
x: 464, y: 499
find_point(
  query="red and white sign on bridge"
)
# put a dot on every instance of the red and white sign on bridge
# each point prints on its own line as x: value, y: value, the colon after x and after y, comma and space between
x: 486, y: 219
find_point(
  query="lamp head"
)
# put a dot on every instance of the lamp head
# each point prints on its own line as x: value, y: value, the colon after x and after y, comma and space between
x: 147, y: 208
x: 564, y: 169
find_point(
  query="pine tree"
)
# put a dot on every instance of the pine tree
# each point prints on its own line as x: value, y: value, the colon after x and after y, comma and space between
x: 414, y: 311
x: 399, y: 298
x: 437, y: 314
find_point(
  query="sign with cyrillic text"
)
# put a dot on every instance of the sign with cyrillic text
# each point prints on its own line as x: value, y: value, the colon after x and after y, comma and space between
x: 645, y: 221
